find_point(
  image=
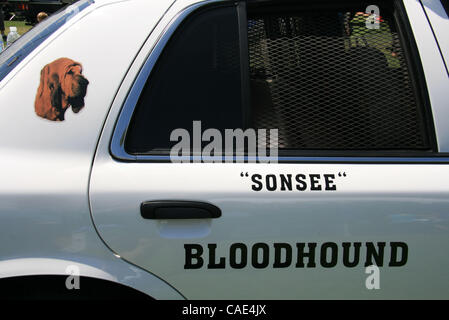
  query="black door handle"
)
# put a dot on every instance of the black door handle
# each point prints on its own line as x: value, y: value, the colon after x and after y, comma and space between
x: 171, y: 209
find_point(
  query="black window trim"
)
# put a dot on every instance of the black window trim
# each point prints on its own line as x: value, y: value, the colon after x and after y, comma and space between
x: 117, y: 144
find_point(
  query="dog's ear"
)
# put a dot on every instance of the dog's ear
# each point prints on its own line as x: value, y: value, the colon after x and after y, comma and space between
x: 43, y: 82
x: 55, y: 91
x: 48, y: 103
x: 42, y: 103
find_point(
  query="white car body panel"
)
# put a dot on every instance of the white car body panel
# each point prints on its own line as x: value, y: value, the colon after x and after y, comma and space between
x: 372, y: 204
x: 45, y: 165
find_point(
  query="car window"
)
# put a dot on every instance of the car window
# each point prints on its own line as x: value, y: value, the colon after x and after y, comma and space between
x: 328, y: 77
x: 445, y: 4
x: 23, y: 46
x: 197, y: 78
x: 330, y: 81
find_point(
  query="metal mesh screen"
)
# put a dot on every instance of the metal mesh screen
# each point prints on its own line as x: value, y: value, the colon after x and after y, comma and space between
x: 327, y: 81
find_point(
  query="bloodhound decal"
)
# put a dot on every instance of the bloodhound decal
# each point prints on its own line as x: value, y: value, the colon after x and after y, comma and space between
x: 62, y: 86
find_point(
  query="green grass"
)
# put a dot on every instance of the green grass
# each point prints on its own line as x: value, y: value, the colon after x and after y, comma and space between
x: 21, y: 27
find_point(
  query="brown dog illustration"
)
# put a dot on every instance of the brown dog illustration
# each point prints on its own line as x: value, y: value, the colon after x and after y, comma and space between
x: 62, y: 85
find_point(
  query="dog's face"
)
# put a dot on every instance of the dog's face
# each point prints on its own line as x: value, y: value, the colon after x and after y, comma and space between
x: 62, y: 85
x: 74, y: 85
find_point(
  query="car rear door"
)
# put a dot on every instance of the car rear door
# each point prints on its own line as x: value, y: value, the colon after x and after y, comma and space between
x: 354, y: 174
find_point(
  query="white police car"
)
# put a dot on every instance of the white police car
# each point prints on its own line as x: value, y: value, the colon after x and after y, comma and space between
x: 111, y: 177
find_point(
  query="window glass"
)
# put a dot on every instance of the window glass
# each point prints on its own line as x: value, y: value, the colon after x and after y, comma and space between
x: 12, y: 55
x: 445, y: 4
x: 328, y: 77
x: 196, y: 78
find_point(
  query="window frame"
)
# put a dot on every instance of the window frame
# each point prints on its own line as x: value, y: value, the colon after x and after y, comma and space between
x: 117, y: 143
